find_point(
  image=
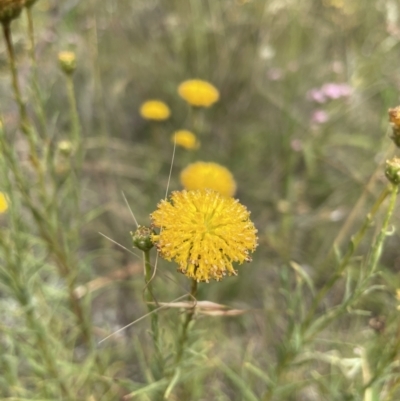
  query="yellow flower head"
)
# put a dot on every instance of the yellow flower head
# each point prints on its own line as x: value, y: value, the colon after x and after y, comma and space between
x: 202, y: 175
x: 155, y: 110
x: 3, y: 203
x: 186, y: 139
x: 204, y: 232
x: 10, y: 9
x: 67, y: 61
x: 198, y: 93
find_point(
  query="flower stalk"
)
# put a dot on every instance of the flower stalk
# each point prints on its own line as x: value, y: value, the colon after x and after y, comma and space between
x: 186, y: 323
x: 24, y: 120
x: 352, y: 247
x: 39, y: 106
x: 152, y: 305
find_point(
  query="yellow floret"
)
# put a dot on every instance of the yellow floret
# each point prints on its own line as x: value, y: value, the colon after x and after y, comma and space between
x: 204, y: 233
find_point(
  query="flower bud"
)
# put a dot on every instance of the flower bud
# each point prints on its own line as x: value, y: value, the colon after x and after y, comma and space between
x: 65, y: 148
x: 67, y: 62
x: 142, y: 238
x: 10, y: 9
x: 392, y: 170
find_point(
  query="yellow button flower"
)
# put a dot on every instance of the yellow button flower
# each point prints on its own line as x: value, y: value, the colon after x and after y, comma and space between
x: 201, y: 175
x: 3, y: 203
x: 204, y: 232
x: 186, y: 139
x: 155, y: 110
x: 198, y: 93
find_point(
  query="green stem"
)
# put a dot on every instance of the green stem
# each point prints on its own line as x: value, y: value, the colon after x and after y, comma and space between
x: 39, y: 101
x: 185, y: 327
x: 152, y: 304
x: 353, y: 245
x: 75, y: 125
x: 182, y: 342
x: 18, y: 285
x: 372, y: 264
x: 378, y: 246
x: 67, y: 269
x: 43, y: 345
x: 31, y: 34
x: 197, y: 121
x: 24, y: 120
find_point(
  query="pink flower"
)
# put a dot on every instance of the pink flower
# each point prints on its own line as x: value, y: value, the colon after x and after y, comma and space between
x: 329, y: 91
x: 336, y: 91
x: 319, y: 117
x: 316, y: 95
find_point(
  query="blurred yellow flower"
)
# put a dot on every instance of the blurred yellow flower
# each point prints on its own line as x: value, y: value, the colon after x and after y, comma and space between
x: 67, y: 61
x: 3, y: 203
x: 201, y: 175
x: 204, y: 233
x: 186, y: 139
x: 155, y: 110
x: 198, y: 93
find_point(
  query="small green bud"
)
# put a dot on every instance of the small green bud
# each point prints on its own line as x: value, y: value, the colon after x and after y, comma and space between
x: 392, y: 170
x: 142, y: 238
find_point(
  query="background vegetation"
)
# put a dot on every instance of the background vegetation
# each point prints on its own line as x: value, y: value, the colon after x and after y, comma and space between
x: 308, y: 170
